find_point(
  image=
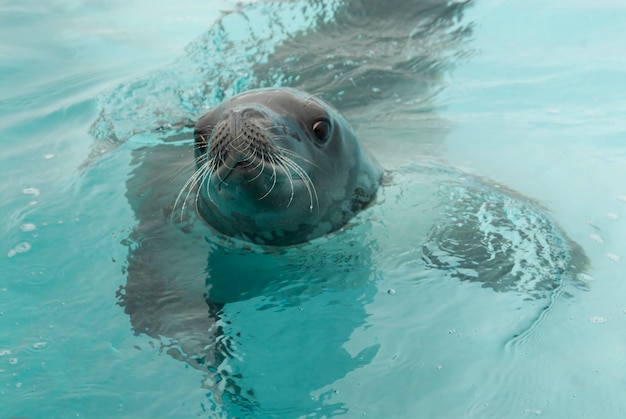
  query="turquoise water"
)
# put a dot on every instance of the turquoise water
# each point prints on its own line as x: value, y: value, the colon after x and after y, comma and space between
x: 94, y: 109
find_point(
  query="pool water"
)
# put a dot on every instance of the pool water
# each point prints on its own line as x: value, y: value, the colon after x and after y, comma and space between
x: 513, y: 107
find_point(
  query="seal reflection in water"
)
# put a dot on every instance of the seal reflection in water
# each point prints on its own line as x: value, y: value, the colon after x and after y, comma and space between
x: 279, y: 167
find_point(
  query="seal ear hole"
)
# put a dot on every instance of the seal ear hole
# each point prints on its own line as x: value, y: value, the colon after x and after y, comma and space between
x: 322, y: 129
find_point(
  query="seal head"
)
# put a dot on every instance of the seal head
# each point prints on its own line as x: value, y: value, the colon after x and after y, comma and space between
x: 280, y: 167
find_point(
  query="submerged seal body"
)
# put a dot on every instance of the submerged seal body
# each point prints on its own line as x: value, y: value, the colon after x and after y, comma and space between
x: 280, y: 167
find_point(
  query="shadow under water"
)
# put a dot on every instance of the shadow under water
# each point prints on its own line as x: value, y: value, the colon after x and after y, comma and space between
x: 188, y: 287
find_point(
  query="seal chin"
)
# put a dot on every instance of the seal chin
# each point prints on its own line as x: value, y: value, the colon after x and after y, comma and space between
x: 279, y: 167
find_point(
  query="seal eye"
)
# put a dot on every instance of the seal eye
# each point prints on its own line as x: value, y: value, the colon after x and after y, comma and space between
x: 321, y: 129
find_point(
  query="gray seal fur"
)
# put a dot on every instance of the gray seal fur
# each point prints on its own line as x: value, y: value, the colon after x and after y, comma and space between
x: 280, y: 167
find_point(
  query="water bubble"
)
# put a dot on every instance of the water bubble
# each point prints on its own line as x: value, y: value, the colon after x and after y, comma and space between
x: 391, y: 291
x: 452, y: 331
x: 12, y: 361
x: 612, y: 216
x: 48, y: 156
x: 22, y: 247
x: 18, y: 385
x: 598, y: 319
x: 613, y: 257
x: 40, y: 345
x: 439, y: 367
x: 375, y: 90
x: 596, y: 237
x: 4, y: 352
x: 621, y: 198
x: 31, y: 191
x: 28, y: 227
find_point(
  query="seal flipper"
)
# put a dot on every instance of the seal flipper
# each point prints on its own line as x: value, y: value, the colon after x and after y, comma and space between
x: 165, y: 295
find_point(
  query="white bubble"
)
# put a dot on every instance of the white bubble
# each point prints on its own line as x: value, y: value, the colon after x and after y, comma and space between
x: 598, y: 319
x: 48, y: 156
x: 613, y: 257
x: 4, y: 352
x: 612, y: 216
x: 22, y: 247
x: 31, y: 191
x: 39, y: 345
x: 596, y: 237
x: 12, y: 361
x: 28, y: 227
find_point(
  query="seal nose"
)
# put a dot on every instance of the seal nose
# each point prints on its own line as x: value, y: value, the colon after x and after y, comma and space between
x: 244, y: 127
x: 242, y: 119
x: 240, y: 141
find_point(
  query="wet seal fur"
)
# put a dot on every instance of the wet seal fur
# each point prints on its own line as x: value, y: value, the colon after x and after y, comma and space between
x: 279, y: 167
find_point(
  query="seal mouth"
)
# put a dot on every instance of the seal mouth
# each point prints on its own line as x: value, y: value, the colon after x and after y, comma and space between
x: 231, y: 166
x: 249, y: 170
x: 273, y: 176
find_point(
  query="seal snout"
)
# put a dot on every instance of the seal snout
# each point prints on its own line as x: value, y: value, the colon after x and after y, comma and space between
x: 240, y: 143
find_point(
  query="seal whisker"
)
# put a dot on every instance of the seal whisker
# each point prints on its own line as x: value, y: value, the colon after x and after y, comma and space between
x: 288, y: 152
x: 217, y: 172
x: 234, y: 143
x: 206, y: 128
x: 257, y: 166
x: 306, y: 179
x: 206, y: 177
x: 286, y: 170
x: 273, y: 182
x: 189, y: 186
x: 250, y: 158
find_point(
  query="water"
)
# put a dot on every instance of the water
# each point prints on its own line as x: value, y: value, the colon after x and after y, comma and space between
x: 525, y: 98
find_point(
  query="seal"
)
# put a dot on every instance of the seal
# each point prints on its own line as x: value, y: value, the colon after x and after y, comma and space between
x: 279, y: 167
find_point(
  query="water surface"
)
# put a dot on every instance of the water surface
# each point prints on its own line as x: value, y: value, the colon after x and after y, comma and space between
x: 524, y: 96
